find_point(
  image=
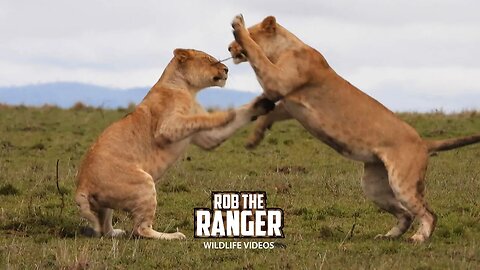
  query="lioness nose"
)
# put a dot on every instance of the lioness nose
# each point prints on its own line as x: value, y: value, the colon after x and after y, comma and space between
x: 229, y: 48
x: 226, y: 70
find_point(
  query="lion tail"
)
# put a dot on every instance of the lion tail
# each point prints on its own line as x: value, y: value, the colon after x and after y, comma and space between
x: 449, y: 144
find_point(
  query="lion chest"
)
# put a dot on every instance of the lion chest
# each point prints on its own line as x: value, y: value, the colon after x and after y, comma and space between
x: 164, y: 157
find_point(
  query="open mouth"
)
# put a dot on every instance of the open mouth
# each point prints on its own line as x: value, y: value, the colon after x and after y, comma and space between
x: 218, y: 78
x: 238, y: 58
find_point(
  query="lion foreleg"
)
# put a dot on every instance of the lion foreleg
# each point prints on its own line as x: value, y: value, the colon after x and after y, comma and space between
x: 210, y: 139
x: 265, y: 122
x: 178, y: 127
x: 277, y: 80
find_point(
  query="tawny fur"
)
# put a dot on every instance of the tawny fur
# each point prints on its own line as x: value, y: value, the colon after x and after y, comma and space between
x: 351, y: 122
x: 121, y: 168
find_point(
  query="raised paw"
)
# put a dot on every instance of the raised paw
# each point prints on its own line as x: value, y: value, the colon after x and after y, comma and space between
x: 238, y: 22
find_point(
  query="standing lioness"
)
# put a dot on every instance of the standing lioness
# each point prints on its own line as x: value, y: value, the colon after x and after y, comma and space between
x: 343, y: 117
x: 120, y: 169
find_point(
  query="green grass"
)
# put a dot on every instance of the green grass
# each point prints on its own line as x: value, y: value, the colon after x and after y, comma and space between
x: 318, y: 190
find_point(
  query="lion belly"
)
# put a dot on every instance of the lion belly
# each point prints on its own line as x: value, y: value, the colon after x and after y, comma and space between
x: 345, y: 143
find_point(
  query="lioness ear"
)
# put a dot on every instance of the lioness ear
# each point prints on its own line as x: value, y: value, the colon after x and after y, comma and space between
x: 269, y: 24
x: 181, y: 54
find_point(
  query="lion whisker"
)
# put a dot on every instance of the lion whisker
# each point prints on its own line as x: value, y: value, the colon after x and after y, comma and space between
x: 223, y: 60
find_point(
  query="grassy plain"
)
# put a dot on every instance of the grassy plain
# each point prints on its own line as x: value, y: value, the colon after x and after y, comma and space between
x: 318, y: 190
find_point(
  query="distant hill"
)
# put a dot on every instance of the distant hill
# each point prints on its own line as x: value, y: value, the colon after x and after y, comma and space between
x: 65, y: 94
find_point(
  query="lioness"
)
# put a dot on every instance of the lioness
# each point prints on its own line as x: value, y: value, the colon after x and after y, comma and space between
x: 351, y: 122
x: 119, y: 171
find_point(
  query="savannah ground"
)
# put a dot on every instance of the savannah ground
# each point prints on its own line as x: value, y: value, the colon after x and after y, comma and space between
x: 317, y: 188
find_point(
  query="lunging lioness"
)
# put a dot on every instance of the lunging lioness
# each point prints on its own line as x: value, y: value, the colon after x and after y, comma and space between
x: 120, y: 170
x: 343, y: 117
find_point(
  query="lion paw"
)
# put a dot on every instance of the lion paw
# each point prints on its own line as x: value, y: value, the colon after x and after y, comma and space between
x: 387, y: 236
x: 263, y: 106
x: 116, y: 233
x: 90, y: 232
x: 176, y: 236
x: 417, y: 239
x: 382, y: 237
x: 252, y: 143
x: 238, y: 22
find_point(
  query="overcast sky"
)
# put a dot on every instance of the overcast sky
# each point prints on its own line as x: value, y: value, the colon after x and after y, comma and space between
x: 408, y: 54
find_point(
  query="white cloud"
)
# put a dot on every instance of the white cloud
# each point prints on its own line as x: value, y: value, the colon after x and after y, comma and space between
x: 106, y: 77
x: 441, y: 82
x: 431, y: 46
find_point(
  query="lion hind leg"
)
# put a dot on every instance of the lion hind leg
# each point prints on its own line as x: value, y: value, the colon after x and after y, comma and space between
x: 143, y: 216
x: 376, y: 187
x: 105, y: 215
x: 407, y: 177
x: 86, y: 211
x: 142, y: 207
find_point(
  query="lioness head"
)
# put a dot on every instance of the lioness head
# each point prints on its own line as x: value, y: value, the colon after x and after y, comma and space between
x: 199, y: 69
x: 264, y: 34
